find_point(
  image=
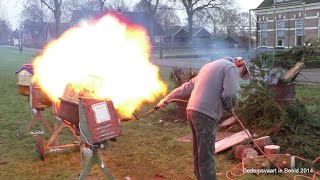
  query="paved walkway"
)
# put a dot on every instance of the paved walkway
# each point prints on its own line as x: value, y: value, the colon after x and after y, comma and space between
x: 306, y: 75
x: 310, y: 75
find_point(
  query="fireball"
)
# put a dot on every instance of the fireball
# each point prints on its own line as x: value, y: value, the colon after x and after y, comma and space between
x: 108, y: 57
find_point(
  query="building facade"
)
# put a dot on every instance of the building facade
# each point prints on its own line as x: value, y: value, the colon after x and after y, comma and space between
x: 283, y: 24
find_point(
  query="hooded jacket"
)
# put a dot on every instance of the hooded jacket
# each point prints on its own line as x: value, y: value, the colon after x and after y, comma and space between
x: 212, y: 91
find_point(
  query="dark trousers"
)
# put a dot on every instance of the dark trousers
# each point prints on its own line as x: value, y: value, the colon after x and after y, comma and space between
x: 203, y: 130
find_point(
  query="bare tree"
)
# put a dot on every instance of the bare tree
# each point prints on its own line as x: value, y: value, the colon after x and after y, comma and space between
x: 192, y: 7
x: 101, y: 4
x: 230, y: 20
x: 150, y: 7
x: 243, y: 23
x: 81, y: 5
x: 200, y: 19
x: 78, y: 9
x: 118, y: 5
x: 1, y: 5
x: 213, y: 19
x: 34, y: 11
x: 4, y: 31
x: 4, y: 24
x: 147, y: 6
x: 167, y: 17
x: 3, y: 13
x: 56, y: 10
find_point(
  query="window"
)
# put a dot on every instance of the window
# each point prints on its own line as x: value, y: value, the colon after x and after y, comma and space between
x: 299, y: 32
x: 299, y: 41
x: 264, y: 34
x: 280, y: 32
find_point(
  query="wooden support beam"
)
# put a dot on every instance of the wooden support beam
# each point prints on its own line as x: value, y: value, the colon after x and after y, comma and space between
x: 232, y: 140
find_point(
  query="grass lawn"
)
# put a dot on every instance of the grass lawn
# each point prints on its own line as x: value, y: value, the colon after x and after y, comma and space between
x: 146, y: 150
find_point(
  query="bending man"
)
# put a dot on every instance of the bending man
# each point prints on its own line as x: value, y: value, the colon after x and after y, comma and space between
x: 212, y: 91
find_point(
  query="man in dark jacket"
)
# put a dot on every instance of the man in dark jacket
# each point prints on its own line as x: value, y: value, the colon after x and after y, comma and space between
x: 213, y: 91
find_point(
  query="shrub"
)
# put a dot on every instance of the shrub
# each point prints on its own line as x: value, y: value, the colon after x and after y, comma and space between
x: 292, y: 127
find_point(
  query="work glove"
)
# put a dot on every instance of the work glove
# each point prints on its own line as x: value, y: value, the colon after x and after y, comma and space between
x: 163, y: 102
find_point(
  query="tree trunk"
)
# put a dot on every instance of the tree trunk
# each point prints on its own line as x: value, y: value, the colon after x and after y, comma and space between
x: 190, y: 24
x: 292, y: 73
x: 57, y: 25
x: 256, y: 163
x: 57, y: 16
x: 101, y: 5
x: 271, y: 149
x: 242, y: 151
x: 152, y: 26
x: 279, y: 161
x: 283, y: 161
x: 215, y: 29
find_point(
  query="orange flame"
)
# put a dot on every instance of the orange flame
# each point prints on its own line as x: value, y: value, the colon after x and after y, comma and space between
x: 108, y: 57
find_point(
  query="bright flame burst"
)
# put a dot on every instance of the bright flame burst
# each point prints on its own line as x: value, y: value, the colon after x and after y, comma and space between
x: 109, y: 56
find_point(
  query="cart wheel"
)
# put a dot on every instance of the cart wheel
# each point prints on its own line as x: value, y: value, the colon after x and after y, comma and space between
x: 19, y: 134
x: 40, y: 146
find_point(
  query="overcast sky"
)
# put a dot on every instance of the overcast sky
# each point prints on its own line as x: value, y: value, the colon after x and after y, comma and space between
x: 13, y: 8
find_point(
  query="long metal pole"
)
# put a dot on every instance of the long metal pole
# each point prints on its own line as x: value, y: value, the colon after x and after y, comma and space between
x: 274, y: 35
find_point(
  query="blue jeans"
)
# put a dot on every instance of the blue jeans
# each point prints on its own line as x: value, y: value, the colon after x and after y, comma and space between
x: 203, y: 130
